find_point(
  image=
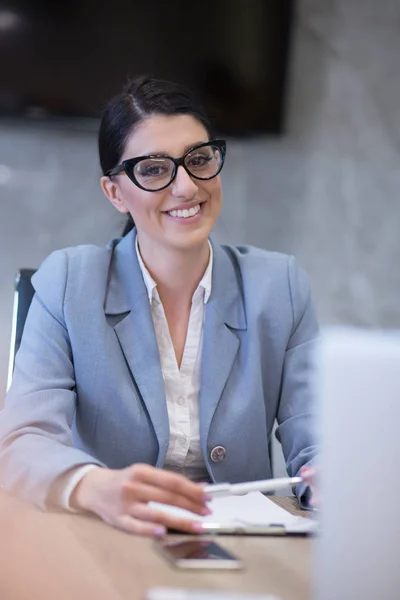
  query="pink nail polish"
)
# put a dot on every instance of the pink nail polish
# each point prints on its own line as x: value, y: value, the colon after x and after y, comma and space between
x: 197, y: 527
x: 206, y: 511
x: 160, y: 531
x: 207, y: 498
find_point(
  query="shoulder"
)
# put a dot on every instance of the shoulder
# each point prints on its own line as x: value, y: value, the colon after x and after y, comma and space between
x: 66, y: 271
x: 254, y: 263
x: 264, y: 273
x: 252, y: 259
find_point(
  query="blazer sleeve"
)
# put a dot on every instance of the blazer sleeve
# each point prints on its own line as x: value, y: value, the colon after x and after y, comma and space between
x: 36, y: 443
x: 296, y: 413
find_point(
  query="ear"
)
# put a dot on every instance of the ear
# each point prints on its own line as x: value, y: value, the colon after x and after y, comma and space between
x: 112, y: 191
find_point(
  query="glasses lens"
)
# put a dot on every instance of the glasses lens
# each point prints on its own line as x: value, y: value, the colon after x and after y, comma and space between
x: 154, y: 173
x: 204, y: 162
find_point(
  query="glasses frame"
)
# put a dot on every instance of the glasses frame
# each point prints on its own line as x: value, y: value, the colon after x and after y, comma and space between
x: 129, y: 165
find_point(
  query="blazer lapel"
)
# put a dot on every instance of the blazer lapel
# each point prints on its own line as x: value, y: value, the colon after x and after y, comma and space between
x: 127, y: 305
x: 224, y: 315
x: 128, y: 302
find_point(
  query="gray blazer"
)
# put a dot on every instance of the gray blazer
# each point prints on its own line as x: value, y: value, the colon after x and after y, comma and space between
x: 88, y: 385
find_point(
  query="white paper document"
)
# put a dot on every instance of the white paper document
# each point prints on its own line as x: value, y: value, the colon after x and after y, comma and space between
x: 199, y: 594
x: 250, y: 513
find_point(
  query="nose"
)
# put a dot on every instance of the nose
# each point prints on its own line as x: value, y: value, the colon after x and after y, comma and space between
x: 183, y: 185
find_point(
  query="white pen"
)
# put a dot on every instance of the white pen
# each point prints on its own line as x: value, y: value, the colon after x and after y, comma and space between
x: 264, y: 485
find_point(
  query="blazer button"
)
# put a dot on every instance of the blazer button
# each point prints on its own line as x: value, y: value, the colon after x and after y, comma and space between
x: 218, y: 453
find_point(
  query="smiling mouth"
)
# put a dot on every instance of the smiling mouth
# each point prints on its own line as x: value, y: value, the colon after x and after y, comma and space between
x: 185, y: 213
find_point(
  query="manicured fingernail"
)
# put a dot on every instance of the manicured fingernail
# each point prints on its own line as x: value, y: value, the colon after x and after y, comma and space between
x: 206, y: 511
x: 159, y: 531
x: 207, y: 498
x: 197, y: 526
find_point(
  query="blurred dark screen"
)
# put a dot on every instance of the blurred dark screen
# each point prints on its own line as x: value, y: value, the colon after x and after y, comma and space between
x: 68, y: 58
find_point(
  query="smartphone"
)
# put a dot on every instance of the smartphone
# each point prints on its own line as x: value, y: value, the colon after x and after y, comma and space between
x: 197, y: 554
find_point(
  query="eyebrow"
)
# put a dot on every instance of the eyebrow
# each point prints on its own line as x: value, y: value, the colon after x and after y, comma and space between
x: 186, y: 148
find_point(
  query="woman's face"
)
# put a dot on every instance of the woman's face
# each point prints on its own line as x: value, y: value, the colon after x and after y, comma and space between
x: 151, y: 211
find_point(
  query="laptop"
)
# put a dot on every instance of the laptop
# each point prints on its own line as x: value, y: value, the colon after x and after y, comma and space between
x: 358, y: 391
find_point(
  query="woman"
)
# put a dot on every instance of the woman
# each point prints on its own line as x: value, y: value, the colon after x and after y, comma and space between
x: 162, y: 360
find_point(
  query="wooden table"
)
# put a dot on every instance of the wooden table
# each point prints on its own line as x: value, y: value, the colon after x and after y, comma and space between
x: 59, y: 556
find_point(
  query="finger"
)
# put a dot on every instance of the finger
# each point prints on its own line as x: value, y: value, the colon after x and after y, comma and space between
x: 308, y: 474
x: 169, y: 481
x: 144, y: 512
x: 142, y: 492
x: 140, y: 527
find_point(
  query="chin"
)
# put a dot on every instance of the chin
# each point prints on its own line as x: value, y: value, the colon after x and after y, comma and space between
x: 189, y: 239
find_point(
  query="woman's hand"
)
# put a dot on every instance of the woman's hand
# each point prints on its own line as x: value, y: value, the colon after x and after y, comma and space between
x: 309, y: 475
x: 120, y: 498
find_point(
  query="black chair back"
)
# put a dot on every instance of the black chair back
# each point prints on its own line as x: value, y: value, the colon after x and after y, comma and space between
x: 23, y: 295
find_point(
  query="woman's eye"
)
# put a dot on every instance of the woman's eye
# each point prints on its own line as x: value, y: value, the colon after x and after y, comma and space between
x: 199, y: 160
x: 152, y: 169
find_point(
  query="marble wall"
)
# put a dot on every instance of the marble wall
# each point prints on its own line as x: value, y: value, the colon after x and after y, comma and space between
x: 327, y: 191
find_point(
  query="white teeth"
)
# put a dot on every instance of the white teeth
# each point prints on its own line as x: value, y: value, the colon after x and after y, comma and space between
x: 185, y: 213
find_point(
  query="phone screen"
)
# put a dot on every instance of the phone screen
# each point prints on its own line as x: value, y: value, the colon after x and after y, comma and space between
x: 198, y: 554
x: 196, y: 550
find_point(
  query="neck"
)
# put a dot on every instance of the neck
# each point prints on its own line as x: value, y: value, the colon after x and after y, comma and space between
x: 176, y: 271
